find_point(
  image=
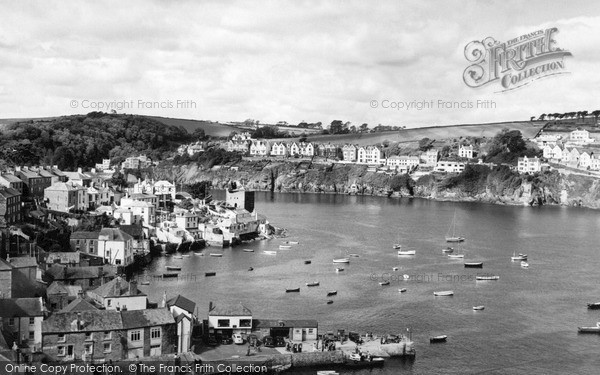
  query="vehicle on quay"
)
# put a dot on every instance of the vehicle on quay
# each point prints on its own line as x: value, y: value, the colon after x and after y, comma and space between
x: 280, y: 341
x: 238, y: 339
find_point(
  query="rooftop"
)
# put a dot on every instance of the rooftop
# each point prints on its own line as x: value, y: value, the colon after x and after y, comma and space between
x: 113, y: 234
x: 89, y: 321
x: 78, y: 304
x: 21, y: 307
x: 117, y: 287
x: 230, y: 310
x: 182, y: 303
x: 146, y: 318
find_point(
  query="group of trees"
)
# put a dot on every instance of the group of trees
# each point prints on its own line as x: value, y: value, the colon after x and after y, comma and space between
x: 572, y: 115
x: 83, y: 140
x: 507, y: 146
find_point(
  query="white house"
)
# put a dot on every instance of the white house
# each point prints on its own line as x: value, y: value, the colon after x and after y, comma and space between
x: 529, y: 165
x: 595, y: 162
x: 144, y: 212
x: 402, y: 162
x: 547, y: 140
x: 430, y: 157
x: 448, y: 166
x: 349, y: 153
x: 118, y: 294
x: 580, y: 137
x: 183, y: 310
x: 279, y: 149
x: 465, y: 151
x: 115, y: 246
x: 370, y: 155
x: 260, y: 148
x: 229, y: 319
x: 294, y: 149
x: 585, y: 160
x: 307, y: 149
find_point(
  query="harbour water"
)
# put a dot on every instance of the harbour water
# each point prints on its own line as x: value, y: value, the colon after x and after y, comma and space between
x: 529, y: 325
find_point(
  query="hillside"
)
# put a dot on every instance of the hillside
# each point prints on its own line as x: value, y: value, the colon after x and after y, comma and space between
x: 528, y: 129
x: 213, y: 129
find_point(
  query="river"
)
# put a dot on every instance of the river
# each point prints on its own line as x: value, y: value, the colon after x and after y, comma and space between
x: 529, y: 325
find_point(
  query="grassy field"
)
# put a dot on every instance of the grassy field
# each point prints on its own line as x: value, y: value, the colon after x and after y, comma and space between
x: 527, y: 128
x: 214, y: 129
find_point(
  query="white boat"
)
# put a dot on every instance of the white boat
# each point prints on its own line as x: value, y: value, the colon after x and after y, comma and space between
x: 186, y: 255
x: 444, y: 293
x: 452, y: 237
x: 270, y: 252
x: 407, y: 252
x: 456, y: 256
x: 314, y: 283
x: 217, y: 255
x: 341, y: 260
x: 517, y: 258
x: 395, y: 268
x: 487, y: 278
x: 595, y: 329
x: 284, y: 247
x: 478, y: 308
x: 248, y: 250
x: 440, y: 338
x: 177, y: 257
x: 524, y: 264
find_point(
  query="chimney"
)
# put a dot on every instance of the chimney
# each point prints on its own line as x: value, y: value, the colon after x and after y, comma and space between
x: 93, y: 170
x: 133, y: 288
x: 210, y: 306
x: 118, y: 286
x: 79, y: 170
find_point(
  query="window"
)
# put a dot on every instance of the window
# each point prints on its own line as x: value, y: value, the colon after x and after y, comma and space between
x: 31, y: 321
x: 107, y: 348
x: 62, y: 337
x: 61, y: 351
x: 89, y: 336
x: 88, y: 348
x: 109, y: 302
x: 135, y: 336
x: 223, y: 323
x: 31, y: 335
x: 107, y: 335
x: 310, y: 330
x: 155, y: 333
x: 11, y: 322
x: 245, y: 323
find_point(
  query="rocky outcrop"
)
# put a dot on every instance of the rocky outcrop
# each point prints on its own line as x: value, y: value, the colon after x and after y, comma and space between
x: 498, y: 187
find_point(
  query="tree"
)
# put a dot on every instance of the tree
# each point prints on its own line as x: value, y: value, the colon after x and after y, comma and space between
x: 199, y: 189
x: 118, y: 179
x: 336, y: 127
x: 542, y: 117
x: 425, y: 144
x: 364, y: 127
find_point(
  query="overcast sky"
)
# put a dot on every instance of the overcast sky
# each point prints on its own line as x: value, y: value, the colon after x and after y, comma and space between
x: 285, y: 60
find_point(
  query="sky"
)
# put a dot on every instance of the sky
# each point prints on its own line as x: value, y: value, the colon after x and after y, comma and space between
x: 293, y: 61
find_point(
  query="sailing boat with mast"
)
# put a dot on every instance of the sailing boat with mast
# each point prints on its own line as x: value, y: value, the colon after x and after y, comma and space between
x: 453, y: 237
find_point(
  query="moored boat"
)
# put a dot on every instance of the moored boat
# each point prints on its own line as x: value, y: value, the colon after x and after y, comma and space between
x: 440, y: 338
x: 456, y: 256
x: 453, y: 237
x: 524, y: 264
x: 444, y: 293
x: 474, y: 265
x: 248, y: 250
x: 292, y: 290
x: 487, y: 278
x: 595, y: 329
x: 270, y: 252
x: 332, y: 293
x: 307, y: 261
x: 448, y: 250
x: 396, y: 246
x: 314, y: 283
x: 354, y: 255
x: 251, y: 269
x: 208, y: 274
x: 478, y: 308
x: 339, y: 269
x: 173, y: 268
x: 395, y: 268
x: 383, y: 283
x: 284, y: 247
x: 177, y: 257
x: 329, y: 302
x: 593, y: 306
x: 341, y: 260
x: 185, y: 255
x: 520, y: 257
x: 402, y: 290
x: 216, y: 255
x: 170, y: 275
x: 407, y: 252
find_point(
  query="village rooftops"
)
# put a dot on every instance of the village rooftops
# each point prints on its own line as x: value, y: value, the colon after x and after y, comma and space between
x: 11, y: 178
x: 8, y: 192
x: 23, y: 262
x: 21, y: 307
x: 113, y: 234
x: 59, y: 272
x: 77, y: 305
x: 83, y: 235
x: 230, y: 310
x: 135, y: 231
x: 182, y: 303
x: 146, y: 318
x: 5, y: 266
x: 273, y: 323
x: 117, y: 287
x: 29, y: 173
x: 59, y: 288
x: 83, y: 321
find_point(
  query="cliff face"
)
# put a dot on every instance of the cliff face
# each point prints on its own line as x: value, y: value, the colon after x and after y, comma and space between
x: 480, y: 184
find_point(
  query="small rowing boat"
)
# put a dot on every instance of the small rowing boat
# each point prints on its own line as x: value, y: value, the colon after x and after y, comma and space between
x: 314, y: 283
x: 443, y: 293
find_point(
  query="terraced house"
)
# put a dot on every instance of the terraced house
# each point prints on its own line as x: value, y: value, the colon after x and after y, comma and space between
x: 10, y: 205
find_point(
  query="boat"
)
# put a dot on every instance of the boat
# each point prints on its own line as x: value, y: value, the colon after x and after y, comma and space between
x: 341, y: 260
x: 440, y: 338
x: 270, y: 252
x: 339, y: 269
x: 407, y: 252
x: 329, y: 302
x: 173, y: 268
x: 478, y: 308
x: 453, y: 237
x: 487, y: 278
x: 402, y: 290
x: 354, y: 255
x: 208, y: 274
x: 292, y: 290
x: 520, y: 257
x: 382, y: 283
x: 290, y: 243
x: 251, y: 269
x: 396, y: 246
x: 332, y: 293
x: 356, y: 360
x: 595, y: 329
x: 524, y: 264
x: 456, y: 256
x: 217, y: 255
x: 443, y: 293
x: 198, y: 253
x: 314, y: 283
x: 474, y: 265
x: 307, y: 261
x: 284, y: 247
x: 395, y: 268
x: 185, y: 256
x: 593, y: 306
x: 169, y: 275
x: 448, y: 250
x: 248, y: 250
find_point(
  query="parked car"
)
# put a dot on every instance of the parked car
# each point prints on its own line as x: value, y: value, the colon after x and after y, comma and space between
x: 268, y: 342
x: 211, y: 341
x: 226, y: 340
x: 355, y: 336
x: 237, y: 339
x: 279, y: 341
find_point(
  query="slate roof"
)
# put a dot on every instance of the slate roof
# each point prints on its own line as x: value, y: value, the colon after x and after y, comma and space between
x: 110, y: 289
x: 11, y: 178
x: 182, y: 303
x: 58, y: 272
x: 78, y: 305
x: 21, y: 307
x: 60, y: 288
x: 82, y: 235
x: 23, y: 262
x: 113, y: 234
x: 5, y: 266
x: 8, y: 192
x: 146, y: 318
x: 230, y: 310
x: 91, y: 321
x: 135, y: 231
